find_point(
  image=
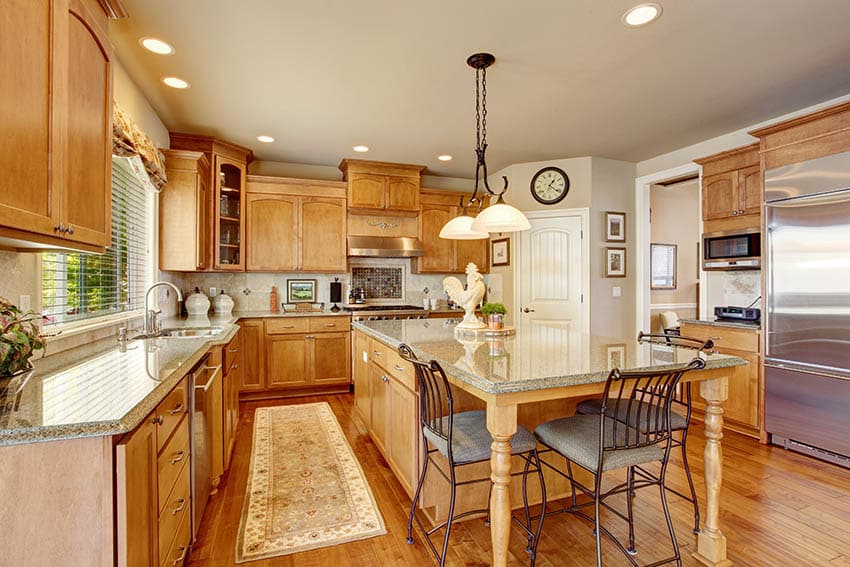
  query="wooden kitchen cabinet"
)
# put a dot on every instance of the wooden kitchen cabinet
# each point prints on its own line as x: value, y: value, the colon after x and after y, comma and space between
x: 731, y: 189
x: 380, y: 407
x: 185, y: 205
x: 56, y: 125
x: 296, y: 225
x: 253, y: 355
x: 330, y: 357
x: 232, y: 380
x: 360, y: 373
x: 288, y: 360
x: 443, y: 255
x: 378, y: 188
x: 136, y: 496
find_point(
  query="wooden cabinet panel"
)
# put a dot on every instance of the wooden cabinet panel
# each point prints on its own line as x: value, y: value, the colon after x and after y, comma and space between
x: 230, y: 204
x: 185, y: 206
x: 171, y: 461
x: 742, y: 406
x: 288, y: 325
x: 330, y: 357
x: 719, y: 195
x: 402, y: 194
x: 25, y: 112
x: 477, y: 251
x: 323, y: 234
x: 180, y: 546
x: 750, y: 190
x: 273, y: 227
x: 404, y: 438
x: 287, y: 361
x: 366, y: 191
x: 176, y: 507
x: 136, y: 496
x: 439, y: 254
x: 379, y: 412
x: 170, y: 411
x: 329, y: 324
x: 253, y: 355
x: 87, y: 195
x: 360, y: 370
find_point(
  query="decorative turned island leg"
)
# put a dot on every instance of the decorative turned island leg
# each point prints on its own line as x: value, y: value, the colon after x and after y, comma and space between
x: 711, y: 543
x: 501, y: 422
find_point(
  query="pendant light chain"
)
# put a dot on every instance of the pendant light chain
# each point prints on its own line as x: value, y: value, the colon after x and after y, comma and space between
x: 483, y: 106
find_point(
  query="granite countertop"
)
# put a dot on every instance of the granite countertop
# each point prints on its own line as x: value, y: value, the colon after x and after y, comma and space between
x: 554, y: 358
x: 716, y: 323
x: 97, y: 389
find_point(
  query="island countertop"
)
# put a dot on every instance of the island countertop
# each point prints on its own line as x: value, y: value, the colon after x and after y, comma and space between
x: 548, y: 358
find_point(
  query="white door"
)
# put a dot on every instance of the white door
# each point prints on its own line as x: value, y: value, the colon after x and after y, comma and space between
x: 553, y: 271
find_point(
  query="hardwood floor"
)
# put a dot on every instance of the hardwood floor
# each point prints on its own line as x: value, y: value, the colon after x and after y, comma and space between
x: 778, y: 509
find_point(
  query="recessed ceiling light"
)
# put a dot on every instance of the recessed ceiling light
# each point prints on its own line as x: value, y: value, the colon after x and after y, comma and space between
x: 266, y: 139
x: 444, y: 157
x: 642, y: 14
x: 175, y: 83
x: 156, y: 45
x: 360, y: 149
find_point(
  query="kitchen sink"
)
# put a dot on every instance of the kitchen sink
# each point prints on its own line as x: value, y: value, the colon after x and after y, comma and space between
x: 190, y: 332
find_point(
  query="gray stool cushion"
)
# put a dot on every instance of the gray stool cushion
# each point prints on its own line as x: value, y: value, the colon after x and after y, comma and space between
x: 677, y: 420
x: 577, y: 438
x: 471, y: 440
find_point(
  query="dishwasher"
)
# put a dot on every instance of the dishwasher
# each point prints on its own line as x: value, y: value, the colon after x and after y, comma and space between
x: 205, y: 402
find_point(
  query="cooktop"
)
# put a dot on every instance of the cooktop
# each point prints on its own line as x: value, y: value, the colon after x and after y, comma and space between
x: 384, y: 307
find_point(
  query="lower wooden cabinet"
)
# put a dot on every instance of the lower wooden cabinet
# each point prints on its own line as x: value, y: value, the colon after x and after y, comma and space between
x: 253, y: 355
x: 360, y: 373
x: 287, y: 357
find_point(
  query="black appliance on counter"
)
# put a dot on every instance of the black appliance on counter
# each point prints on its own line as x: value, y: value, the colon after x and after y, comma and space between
x: 741, y: 314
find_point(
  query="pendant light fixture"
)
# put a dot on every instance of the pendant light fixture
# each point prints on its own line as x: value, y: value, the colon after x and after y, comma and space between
x: 499, y: 217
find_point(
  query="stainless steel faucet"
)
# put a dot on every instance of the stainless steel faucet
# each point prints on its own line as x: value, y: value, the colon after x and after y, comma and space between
x: 151, y: 324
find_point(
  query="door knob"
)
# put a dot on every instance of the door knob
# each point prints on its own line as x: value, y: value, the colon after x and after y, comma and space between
x: 527, y: 310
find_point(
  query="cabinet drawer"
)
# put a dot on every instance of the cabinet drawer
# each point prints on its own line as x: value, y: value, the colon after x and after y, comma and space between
x: 724, y: 337
x: 329, y: 324
x: 286, y: 325
x: 177, y: 506
x: 231, y: 351
x: 171, y: 462
x: 180, y: 546
x: 389, y: 360
x: 170, y: 411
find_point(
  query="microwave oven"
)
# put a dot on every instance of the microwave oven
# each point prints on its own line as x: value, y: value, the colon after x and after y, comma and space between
x: 732, y: 250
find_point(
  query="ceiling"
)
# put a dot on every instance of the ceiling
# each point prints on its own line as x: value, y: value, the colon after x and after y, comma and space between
x: 569, y: 79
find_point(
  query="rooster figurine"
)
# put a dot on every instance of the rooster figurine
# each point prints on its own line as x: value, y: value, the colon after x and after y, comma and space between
x: 468, y: 298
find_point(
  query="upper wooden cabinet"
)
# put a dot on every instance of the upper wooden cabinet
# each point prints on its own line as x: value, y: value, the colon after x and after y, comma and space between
x: 185, y: 213
x: 227, y: 191
x: 377, y: 188
x: 732, y: 189
x: 442, y: 255
x: 56, y: 125
x: 295, y: 225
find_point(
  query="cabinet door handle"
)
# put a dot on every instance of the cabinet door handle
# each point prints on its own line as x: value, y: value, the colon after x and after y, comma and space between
x: 180, y: 559
x: 233, y: 350
x: 181, y: 505
x: 178, y: 457
x: 734, y: 213
x: 177, y: 409
x: 157, y: 420
x: 384, y: 379
x: 59, y: 228
x: 398, y: 368
x: 70, y: 229
x: 310, y: 336
x: 376, y: 352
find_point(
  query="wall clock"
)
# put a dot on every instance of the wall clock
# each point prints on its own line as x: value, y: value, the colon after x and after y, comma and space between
x: 550, y: 185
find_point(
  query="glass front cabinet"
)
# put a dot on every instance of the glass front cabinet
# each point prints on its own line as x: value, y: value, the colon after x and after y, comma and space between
x: 230, y: 218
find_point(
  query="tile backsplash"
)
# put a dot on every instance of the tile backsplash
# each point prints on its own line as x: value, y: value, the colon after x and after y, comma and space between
x: 379, y: 283
x: 739, y: 288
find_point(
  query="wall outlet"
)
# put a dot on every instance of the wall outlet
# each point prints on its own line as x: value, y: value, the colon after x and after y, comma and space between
x: 616, y: 291
x: 24, y: 303
x: 213, y: 291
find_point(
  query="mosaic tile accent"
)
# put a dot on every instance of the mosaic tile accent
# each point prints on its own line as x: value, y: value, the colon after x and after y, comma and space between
x: 379, y: 283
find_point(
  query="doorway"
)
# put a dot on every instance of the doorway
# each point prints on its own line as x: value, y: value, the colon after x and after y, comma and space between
x: 552, y: 283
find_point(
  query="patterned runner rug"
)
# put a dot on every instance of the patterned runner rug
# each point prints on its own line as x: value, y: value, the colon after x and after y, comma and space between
x: 305, y: 489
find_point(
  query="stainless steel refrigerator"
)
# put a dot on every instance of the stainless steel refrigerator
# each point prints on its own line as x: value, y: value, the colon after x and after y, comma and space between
x: 807, y: 324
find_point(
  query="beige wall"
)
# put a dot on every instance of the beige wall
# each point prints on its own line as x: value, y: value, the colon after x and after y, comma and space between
x: 674, y: 218
x: 131, y: 99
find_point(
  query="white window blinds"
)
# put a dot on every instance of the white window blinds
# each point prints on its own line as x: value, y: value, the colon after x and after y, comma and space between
x: 78, y: 286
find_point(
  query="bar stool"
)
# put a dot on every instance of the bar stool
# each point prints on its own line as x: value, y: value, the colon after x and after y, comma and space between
x: 601, y: 443
x: 680, y: 414
x: 463, y: 439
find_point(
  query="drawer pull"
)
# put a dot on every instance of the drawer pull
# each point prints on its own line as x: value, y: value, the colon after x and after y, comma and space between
x: 178, y: 457
x: 715, y: 338
x: 233, y: 350
x: 180, y: 559
x: 177, y: 409
x: 157, y: 420
x: 398, y: 368
x: 288, y: 326
x: 376, y: 352
x: 330, y: 324
x: 181, y: 505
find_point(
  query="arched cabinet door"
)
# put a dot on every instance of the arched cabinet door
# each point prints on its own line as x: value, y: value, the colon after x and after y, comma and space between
x: 272, y: 232
x: 323, y: 234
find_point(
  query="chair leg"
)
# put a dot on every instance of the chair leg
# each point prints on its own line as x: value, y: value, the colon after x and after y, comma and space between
x: 572, y: 486
x: 416, y: 496
x: 451, y: 516
x: 630, y: 483
x: 598, y: 532
x: 542, y: 508
x: 529, y: 538
x: 663, y: 492
x: 690, y: 479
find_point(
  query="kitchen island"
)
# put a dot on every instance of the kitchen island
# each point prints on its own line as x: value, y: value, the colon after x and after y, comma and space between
x: 547, y: 364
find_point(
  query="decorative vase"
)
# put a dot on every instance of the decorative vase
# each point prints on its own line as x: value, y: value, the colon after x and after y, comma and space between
x: 197, y: 303
x: 495, y: 321
x: 223, y: 304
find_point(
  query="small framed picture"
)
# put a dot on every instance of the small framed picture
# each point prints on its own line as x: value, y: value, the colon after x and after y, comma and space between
x: 615, y: 226
x: 615, y: 262
x: 500, y: 252
x: 616, y: 356
x: 301, y: 291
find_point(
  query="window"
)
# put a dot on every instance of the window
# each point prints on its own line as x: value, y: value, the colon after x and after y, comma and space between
x: 77, y: 285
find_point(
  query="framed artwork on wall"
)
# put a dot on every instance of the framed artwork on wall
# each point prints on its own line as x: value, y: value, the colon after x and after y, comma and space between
x: 615, y: 226
x: 301, y: 291
x: 500, y: 252
x: 615, y: 262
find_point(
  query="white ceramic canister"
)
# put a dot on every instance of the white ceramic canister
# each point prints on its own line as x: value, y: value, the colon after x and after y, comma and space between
x: 223, y: 304
x: 197, y: 303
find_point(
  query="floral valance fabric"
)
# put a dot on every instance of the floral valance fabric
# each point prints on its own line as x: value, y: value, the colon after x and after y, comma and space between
x: 128, y: 140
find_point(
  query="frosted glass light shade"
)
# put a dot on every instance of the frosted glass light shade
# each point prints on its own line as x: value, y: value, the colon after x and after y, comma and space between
x: 500, y: 217
x: 460, y: 228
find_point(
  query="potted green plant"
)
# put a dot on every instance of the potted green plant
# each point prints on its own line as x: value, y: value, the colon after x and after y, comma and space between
x: 495, y: 315
x: 19, y: 339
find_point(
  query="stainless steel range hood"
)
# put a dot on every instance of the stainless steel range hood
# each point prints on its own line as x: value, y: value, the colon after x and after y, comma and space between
x: 384, y: 246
